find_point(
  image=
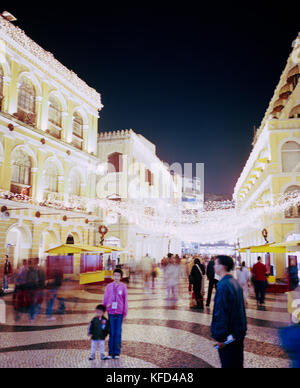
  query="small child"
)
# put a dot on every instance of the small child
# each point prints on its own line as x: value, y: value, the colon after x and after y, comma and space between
x: 98, y: 330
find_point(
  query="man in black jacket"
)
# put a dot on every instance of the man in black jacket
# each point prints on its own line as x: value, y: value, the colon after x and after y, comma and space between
x: 229, y: 316
x: 210, y: 273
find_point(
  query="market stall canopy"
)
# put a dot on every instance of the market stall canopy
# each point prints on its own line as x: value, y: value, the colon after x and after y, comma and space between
x: 114, y: 249
x: 290, y: 244
x: 266, y: 248
x: 66, y: 249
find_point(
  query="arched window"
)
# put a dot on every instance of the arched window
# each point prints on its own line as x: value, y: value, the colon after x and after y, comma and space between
x: 77, y: 135
x: 293, y: 211
x: 74, y: 184
x: 26, y: 102
x: 50, y: 177
x: 295, y: 112
x: 1, y: 87
x: 54, y: 117
x: 115, y: 162
x: 21, y: 168
x: 290, y: 153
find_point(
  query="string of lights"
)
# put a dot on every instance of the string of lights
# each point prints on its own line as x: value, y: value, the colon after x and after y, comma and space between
x: 216, y: 221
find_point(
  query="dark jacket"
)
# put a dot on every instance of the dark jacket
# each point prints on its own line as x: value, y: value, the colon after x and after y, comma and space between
x: 196, y: 275
x: 99, y: 328
x: 210, y: 270
x: 229, y: 316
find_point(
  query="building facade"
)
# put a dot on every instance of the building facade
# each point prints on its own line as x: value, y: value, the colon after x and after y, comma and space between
x: 131, y: 172
x: 273, y: 168
x: 48, y: 146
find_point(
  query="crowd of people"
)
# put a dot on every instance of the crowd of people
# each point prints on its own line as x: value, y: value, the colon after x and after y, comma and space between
x: 32, y: 291
x: 230, y: 279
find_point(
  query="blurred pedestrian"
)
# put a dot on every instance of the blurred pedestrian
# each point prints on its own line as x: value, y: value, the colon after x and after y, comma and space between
x: 229, y: 316
x: 293, y: 274
x: 212, y: 281
x: 154, y: 273
x: 196, y: 278
x: 243, y: 277
x: 7, y: 272
x: 40, y: 286
x: 171, y: 278
x: 98, y: 330
x: 19, y: 295
x: 147, y: 270
x: 52, y: 290
x: 259, y: 272
x: 31, y: 288
x: 116, y: 303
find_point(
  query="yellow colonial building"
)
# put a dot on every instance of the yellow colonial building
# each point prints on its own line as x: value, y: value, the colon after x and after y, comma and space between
x: 273, y: 167
x: 131, y: 172
x: 48, y: 147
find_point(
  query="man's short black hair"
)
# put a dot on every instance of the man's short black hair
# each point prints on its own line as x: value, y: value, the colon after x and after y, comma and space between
x: 170, y: 255
x: 227, y: 261
x: 101, y: 307
x: 118, y: 270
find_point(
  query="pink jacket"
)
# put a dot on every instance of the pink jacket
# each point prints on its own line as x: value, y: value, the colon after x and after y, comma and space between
x: 116, y: 293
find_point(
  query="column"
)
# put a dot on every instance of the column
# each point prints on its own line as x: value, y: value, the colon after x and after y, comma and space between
x: 42, y: 122
x: 8, y: 143
x: 13, y: 88
x: 85, y: 137
x: 33, y: 182
x: 38, y: 193
x: 6, y: 91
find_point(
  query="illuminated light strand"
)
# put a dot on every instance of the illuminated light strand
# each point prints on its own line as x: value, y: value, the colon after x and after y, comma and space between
x: 218, y: 221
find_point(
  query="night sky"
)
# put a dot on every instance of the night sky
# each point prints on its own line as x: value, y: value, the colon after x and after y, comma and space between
x: 194, y: 82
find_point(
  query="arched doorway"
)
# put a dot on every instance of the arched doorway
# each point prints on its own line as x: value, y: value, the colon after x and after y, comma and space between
x: 18, y: 243
x: 49, y: 239
x: 70, y: 239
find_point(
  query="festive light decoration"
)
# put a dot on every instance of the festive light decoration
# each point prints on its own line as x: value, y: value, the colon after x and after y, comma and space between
x: 218, y: 221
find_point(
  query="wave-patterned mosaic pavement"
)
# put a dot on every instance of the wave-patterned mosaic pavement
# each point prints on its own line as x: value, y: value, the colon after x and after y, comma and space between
x: 157, y: 333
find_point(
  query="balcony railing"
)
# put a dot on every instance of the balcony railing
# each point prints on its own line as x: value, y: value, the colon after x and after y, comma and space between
x: 54, y: 130
x: 26, y: 117
x: 77, y: 142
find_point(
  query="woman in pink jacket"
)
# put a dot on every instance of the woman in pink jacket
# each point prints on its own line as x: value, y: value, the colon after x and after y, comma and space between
x: 116, y: 303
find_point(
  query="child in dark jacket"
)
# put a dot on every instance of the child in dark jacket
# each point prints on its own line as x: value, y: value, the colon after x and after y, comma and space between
x: 98, y: 330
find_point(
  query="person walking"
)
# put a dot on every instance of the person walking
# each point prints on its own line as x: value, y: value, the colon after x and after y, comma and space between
x: 116, y: 303
x: 243, y: 277
x: 196, y: 277
x: 6, y: 273
x: 172, y: 278
x: 229, y: 316
x: 259, y: 272
x: 293, y: 275
x: 31, y: 288
x: 212, y: 281
x: 147, y: 270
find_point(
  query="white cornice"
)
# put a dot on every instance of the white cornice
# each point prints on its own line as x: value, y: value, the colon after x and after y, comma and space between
x: 261, y: 143
x: 42, y: 58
